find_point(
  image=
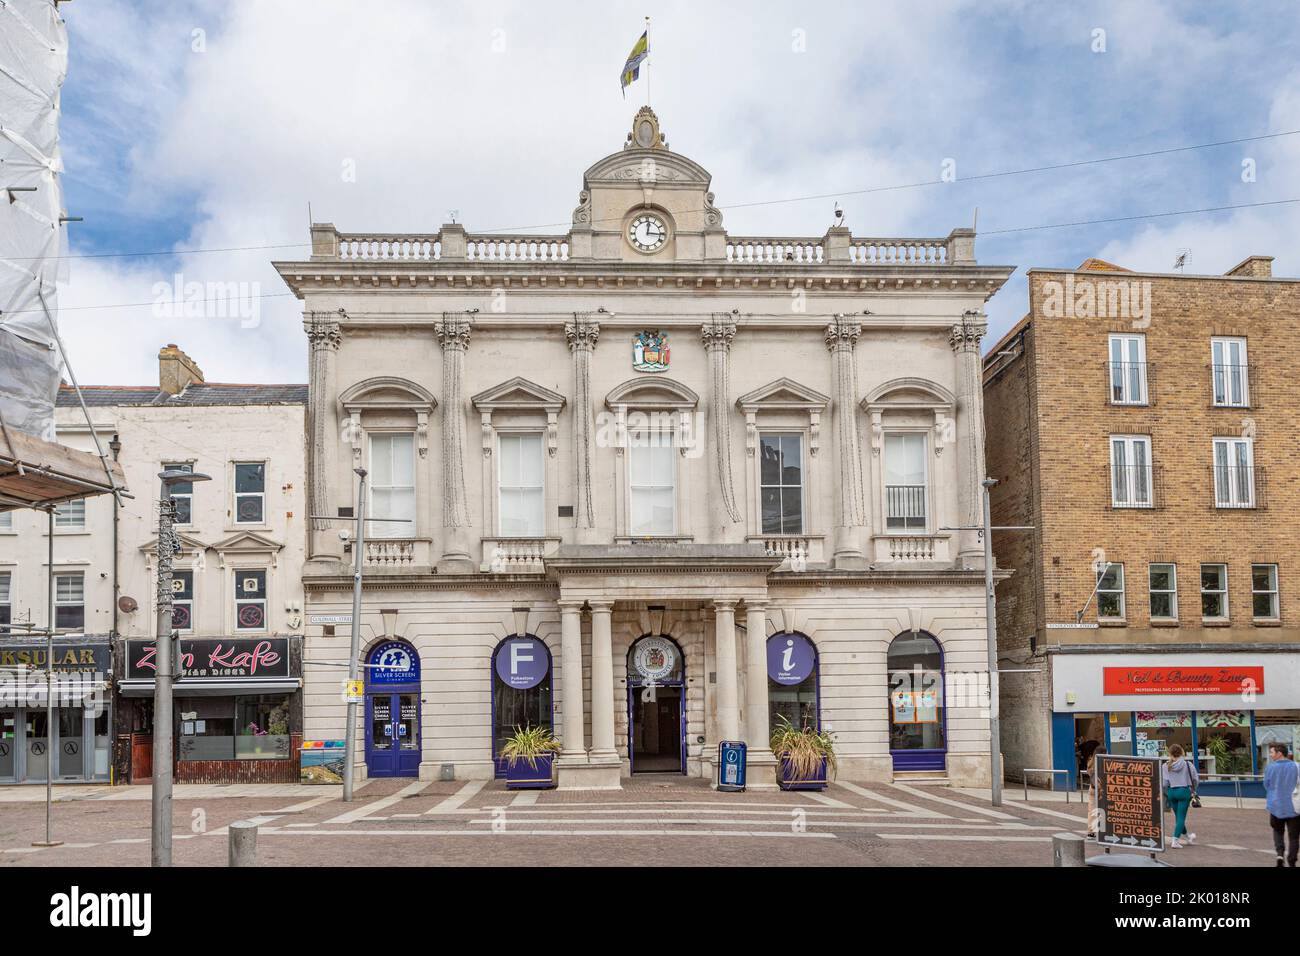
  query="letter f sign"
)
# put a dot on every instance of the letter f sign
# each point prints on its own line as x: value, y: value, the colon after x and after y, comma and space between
x: 519, y: 654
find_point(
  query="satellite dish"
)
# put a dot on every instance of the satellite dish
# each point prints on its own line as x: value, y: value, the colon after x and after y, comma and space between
x: 127, y: 604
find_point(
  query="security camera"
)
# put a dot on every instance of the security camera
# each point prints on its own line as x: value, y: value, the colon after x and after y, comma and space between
x: 345, y: 535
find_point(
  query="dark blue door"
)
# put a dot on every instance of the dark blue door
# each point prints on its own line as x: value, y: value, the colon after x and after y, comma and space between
x: 393, y: 734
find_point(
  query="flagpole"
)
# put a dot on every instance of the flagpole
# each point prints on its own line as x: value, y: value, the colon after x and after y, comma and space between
x: 647, y: 61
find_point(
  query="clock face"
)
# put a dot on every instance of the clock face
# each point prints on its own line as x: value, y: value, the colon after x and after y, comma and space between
x: 647, y: 233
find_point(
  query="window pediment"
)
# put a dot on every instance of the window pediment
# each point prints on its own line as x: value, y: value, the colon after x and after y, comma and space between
x: 911, y: 395
x: 386, y: 393
x: 783, y: 395
x: 651, y: 393
x: 518, y: 394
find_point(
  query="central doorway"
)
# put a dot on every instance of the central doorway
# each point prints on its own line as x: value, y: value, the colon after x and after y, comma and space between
x: 393, y: 730
x: 656, y: 690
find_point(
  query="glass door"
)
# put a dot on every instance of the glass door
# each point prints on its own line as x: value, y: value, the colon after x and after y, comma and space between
x: 380, y: 743
x: 70, y: 752
x: 8, y: 744
x: 407, y: 732
x: 36, y: 742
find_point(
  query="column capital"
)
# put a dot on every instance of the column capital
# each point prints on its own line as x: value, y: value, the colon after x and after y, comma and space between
x: 718, y: 332
x: 724, y: 604
x: 570, y: 604
x: 757, y: 604
x: 842, y: 334
x: 965, y: 335
x: 323, y: 329
x: 453, y: 331
x: 582, y: 333
x: 600, y: 607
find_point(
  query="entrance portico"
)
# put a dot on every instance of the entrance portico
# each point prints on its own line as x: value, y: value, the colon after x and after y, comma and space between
x: 645, y: 584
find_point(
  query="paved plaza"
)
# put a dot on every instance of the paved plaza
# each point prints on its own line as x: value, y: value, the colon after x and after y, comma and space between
x: 652, y: 821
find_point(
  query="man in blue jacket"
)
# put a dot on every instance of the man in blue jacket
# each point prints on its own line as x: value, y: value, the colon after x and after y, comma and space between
x: 1279, y: 783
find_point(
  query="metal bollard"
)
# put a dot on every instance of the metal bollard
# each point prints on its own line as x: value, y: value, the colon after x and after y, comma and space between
x: 243, y: 843
x: 1067, y: 849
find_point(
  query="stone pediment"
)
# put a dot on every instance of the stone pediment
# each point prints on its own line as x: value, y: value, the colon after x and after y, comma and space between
x: 651, y: 393
x: 189, y: 544
x: 903, y: 393
x: 635, y: 167
x: 783, y: 395
x: 518, y: 393
x: 386, y: 393
x: 249, y: 542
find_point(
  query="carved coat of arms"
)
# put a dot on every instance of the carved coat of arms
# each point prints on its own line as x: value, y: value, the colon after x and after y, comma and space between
x: 650, y: 351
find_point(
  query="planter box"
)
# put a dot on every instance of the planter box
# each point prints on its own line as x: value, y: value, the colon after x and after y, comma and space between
x: 525, y: 776
x: 786, y: 779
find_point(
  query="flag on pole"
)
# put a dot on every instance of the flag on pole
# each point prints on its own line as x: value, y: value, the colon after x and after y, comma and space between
x: 632, y: 68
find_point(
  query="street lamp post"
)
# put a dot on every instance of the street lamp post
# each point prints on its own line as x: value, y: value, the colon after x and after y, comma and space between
x: 166, y: 664
x: 358, y: 555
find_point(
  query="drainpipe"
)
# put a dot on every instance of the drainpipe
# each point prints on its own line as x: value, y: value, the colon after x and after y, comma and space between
x: 115, y: 446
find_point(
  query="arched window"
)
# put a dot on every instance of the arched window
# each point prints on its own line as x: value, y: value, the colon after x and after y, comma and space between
x: 521, y: 690
x: 792, y: 687
x: 917, y: 737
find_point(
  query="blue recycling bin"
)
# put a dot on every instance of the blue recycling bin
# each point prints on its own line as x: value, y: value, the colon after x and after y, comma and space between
x: 731, y: 766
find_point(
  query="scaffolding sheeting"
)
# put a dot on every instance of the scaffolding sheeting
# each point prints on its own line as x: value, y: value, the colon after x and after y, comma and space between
x: 33, y: 64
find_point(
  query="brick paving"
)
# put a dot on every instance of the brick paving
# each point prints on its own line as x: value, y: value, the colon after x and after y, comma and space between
x: 651, y: 821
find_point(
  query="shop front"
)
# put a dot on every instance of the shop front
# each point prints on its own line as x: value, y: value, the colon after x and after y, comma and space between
x: 237, y: 710
x: 73, y: 746
x: 1225, y: 707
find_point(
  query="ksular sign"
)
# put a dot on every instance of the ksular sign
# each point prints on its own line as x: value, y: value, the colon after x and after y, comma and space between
x: 1129, y: 802
x: 1182, y: 680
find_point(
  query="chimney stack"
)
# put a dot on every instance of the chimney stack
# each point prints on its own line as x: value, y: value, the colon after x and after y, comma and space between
x: 1256, y: 267
x: 176, y: 370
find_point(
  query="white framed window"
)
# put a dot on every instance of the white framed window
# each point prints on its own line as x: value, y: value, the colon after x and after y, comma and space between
x: 652, y: 483
x: 250, y: 492
x: 392, y: 485
x: 182, y: 492
x: 1110, y: 593
x: 906, y: 482
x: 1263, y: 592
x: 250, y: 599
x: 6, y: 600
x: 1162, y: 583
x: 70, y: 600
x: 6, y: 521
x: 183, y: 601
x: 1128, y: 370
x: 1229, y: 372
x: 1130, y: 469
x: 1234, y: 473
x: 1214, y: 592
x: 71, y: 514
x: 781, y: 482
x: 521, y: 485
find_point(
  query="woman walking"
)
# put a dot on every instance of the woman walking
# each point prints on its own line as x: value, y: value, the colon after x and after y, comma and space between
x: 1180, y: 780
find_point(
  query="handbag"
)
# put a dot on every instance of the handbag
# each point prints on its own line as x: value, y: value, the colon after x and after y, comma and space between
x: 1196, y: 800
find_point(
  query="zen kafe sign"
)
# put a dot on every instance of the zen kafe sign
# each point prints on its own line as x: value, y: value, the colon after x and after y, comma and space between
x: 215, y: 657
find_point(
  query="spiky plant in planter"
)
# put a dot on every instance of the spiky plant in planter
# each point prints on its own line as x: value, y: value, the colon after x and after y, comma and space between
x: 806, y: 755
x: 530, y: 755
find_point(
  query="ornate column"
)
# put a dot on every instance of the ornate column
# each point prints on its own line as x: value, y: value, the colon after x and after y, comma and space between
x: 965, y: 341
x: 758, y: 735
x: 841, y: 339
x: 324, y: 335
x: 453, y: 336
x: 717, y: 334
x: 575, y: 748
x: 602, y: 685
x: 724, y: 639
x: 581, y: 335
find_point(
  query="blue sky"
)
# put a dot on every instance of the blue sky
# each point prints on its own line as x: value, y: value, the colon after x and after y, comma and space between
x: 206, y: 124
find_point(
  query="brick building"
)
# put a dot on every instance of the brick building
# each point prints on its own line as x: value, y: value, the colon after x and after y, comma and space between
x: 1141, y: 423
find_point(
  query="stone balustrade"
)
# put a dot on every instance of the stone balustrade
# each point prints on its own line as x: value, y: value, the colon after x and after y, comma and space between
x: 453, y: 243
x: 516, y: 555
x: 390, y: 553
x: 911, y: 549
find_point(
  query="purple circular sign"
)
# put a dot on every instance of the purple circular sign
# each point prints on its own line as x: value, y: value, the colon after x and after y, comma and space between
x: 522, y: 662
x: 790, y: 658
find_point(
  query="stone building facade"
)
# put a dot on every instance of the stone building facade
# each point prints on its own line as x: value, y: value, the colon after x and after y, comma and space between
x: 240, y: 542
x: 1140, y: 423
x: 698, y: 479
